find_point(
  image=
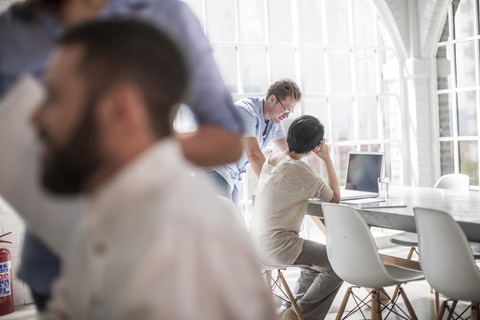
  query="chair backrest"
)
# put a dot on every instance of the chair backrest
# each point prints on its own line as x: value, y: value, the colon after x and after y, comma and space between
x: 460, y: 182
x: 351, y: 250
x: 445, y: 255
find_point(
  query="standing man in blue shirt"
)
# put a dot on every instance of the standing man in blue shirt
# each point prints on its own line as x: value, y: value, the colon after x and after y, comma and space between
x: 261, y: 119
x: 27, y: 32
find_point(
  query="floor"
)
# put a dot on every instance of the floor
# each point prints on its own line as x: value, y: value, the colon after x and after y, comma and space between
x: 418, y: 292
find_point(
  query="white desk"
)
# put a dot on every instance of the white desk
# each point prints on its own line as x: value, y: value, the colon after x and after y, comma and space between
x: 464, y: 207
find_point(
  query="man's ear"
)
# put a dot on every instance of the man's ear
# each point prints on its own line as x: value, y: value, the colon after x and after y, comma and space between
x: 123, y: 104
x: 271, y: 98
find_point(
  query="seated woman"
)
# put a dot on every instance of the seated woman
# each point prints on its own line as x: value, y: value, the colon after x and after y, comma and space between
x: 286, y: 183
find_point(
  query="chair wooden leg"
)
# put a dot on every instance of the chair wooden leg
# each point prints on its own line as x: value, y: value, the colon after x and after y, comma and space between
x: 409, y: 257
x: 408, y: 305
x: 341, y: 310
x: 437, y: 300
x: 474, y: 314
x: 442, y: 310
x: 452, y: 309
x: 410, y: 253
x: 290, y: 295
x: 376, y: 307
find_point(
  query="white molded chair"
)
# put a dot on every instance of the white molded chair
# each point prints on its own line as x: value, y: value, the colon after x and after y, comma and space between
x: 459, y: 182
x: 454, y: 181
x: 446, y: 258
x: 354, y: 257
x: 273, y: 274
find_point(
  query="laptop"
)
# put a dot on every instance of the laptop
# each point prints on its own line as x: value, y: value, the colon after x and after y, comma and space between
x: 363, y: 170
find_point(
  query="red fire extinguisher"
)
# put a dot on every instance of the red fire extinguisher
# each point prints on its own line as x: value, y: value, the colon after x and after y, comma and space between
x: 6, y: 285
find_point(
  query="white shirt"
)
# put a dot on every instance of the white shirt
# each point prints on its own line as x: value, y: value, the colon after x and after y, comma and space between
x: 158, y: 244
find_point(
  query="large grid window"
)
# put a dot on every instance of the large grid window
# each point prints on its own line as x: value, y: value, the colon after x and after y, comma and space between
x: 458, y: 85
x: 338, y: 52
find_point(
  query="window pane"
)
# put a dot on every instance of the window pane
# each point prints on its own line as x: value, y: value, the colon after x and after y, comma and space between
x: 313, y: 68
x: 366, y: 71
x: 446, y: 157
x: 341, y: 160
x: 367, y: 118
x: 318, y: 107
x: 252, y: 20
x: 465, y: 62
x: 318, y: 165
x: 388, y: 70
x: 370, y: 147
x: 282, y: 63
x: 393, y: 163
x: 337, y: 21
x: 185, y: 121
x: 280, y: 18
x: 445, y: 109
x: 464, y: 19
x: 220, y: 15
x: 342, y: 119
x: 467, y: 113
x: 444, y: 74
x: 311, y: 26
x: 254, y: 69
x: 340, y: 74
x: 468, y: 154
x: 391, y: 118
x: 226, y: 60
x: 364, y: 18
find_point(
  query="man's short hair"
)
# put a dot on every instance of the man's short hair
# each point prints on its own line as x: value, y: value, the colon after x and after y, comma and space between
x: 304, y: 134
x: 116, y: 50
x: 284, y: 88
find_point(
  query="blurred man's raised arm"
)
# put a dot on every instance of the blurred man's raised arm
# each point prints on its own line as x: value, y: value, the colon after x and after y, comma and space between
x: 218, y: 137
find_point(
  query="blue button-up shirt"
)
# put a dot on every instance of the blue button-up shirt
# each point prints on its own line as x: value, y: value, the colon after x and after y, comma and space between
x: 251, y: 112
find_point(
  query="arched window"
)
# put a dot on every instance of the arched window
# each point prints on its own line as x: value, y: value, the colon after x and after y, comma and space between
x: 458, y: 84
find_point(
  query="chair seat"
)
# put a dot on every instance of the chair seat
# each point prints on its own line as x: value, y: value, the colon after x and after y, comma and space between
x: 266, y: 267
x: 403, y: 274
x: 406, y: 239
x: 409, y: 239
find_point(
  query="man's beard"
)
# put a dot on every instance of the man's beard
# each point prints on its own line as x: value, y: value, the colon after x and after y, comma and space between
x: 67, y: 168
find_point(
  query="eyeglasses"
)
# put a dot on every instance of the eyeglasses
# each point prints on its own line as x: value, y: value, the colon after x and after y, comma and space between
x: 285, y: 110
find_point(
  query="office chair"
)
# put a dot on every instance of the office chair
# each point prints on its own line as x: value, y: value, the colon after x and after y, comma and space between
x: 273, y: 274
x: 447, y: 261
x: 354, y: 257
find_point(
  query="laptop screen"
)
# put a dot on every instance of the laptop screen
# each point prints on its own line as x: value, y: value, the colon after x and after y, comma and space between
x: 363, y: 170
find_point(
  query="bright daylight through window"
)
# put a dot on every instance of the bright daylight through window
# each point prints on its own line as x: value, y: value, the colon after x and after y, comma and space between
x: 343, y: 61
